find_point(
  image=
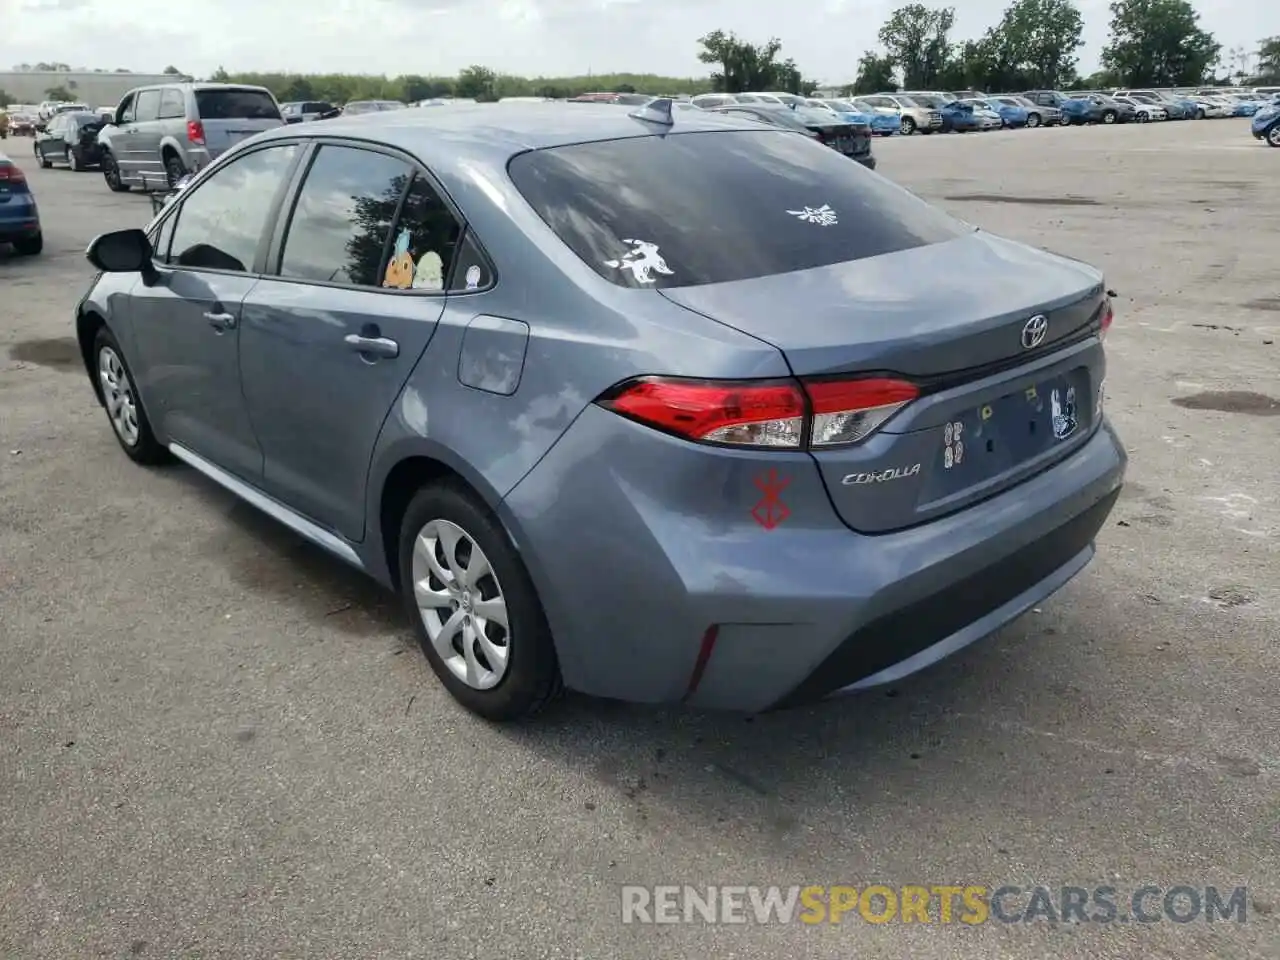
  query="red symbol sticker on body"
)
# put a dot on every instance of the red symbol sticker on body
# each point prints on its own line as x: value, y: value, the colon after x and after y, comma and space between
x: 770, y: 510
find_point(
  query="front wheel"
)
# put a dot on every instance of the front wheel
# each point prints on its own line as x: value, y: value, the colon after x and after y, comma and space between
x: 73, y: 160
x: 908, y: 126
x: 1199, y: 114
x: 474, y: 606
x: 174, y: 169
x: 1033, y: 120
x: 111, y: 174
x: 45, y: 162
x: 1273, y: 135
x: 1142, y: 118
x: 1109, y: 116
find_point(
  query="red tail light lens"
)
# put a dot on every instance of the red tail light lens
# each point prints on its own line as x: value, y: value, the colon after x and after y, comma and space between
x: 195, y: 132
x: 10, y: 174
x: 1108, y: 315
x: 846, y: 411
x: 767, y: 413
x: 742, y: 413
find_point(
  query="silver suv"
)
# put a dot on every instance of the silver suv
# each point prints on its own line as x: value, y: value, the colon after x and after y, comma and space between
x: 159, y: 134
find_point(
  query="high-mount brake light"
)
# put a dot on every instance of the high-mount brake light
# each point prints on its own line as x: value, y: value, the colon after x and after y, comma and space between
x: 778, y: 414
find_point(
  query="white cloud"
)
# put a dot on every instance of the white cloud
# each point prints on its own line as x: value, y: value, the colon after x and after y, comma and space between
x: 548, y: 37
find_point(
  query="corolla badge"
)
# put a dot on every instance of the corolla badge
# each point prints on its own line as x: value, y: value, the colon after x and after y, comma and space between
x: 880, y: 476
x: 1064, y: 413
x: 1034, y: 331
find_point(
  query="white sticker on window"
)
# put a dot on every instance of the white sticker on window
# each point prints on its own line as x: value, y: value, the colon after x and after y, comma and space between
x: 643, y: 261
x: 473, y: 277
x: 823, y: 216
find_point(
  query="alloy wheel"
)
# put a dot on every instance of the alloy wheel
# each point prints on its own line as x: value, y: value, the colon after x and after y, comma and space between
x: 908, y: 126
x: 117, y: 392
x: 461, y: 604
x: 111, y: 171
x: 1273, y: 136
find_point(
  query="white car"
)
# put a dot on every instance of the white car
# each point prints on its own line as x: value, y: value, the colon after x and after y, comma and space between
x: 1214, y: 108
x: 982, y: 110
x: 1144, y: 111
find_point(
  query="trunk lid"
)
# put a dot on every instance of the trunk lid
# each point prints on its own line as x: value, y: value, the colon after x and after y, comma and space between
x: 950, y: 317
x: 229, y: 115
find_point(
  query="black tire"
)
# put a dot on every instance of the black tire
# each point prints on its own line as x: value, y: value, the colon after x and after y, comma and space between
x: 1199, y: 114
x: 1110, y: 116
x: 1273, y: 135
x: 111, y: 173
x: 73, y: 160
x: 532, y: 679
x: 45, y: 162
x: 146, y: 449
x: 174, y: 170
x: 29, y: 246
x: 907, y: 126
x: 1033, y: 120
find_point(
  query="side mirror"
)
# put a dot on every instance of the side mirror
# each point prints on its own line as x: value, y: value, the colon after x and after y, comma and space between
x: 121, y: 251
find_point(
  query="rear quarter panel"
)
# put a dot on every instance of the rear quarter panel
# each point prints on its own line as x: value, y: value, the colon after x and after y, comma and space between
x: 584, y: 335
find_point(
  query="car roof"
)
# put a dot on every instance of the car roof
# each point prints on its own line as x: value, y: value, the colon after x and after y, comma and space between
x: 494, y: 132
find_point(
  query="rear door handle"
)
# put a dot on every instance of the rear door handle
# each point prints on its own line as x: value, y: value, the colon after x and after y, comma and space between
x: 220, y: 321
x: 372, y: 346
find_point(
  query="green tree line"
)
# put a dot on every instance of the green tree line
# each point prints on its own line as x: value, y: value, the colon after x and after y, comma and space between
x: 1035, y: 44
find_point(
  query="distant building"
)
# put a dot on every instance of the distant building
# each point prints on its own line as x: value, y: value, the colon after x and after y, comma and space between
x: 94, y: 89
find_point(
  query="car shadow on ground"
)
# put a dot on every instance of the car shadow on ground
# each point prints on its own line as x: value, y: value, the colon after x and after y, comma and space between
x: 673, y: 761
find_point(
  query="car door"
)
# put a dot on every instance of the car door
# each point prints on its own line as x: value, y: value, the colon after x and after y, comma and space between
x: 52, y: 142
x: 186, y: 324
x: 144, y: 140
x: 329, y: 341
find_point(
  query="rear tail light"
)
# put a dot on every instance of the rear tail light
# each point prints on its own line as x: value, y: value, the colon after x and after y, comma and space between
x: 846, y: 411
x: 1108, y: 315
x: 195, y: 132
x: 9, y: 174
x: 773, y: 414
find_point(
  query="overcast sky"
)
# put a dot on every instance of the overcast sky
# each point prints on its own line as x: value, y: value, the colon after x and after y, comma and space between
x: 530, y: 37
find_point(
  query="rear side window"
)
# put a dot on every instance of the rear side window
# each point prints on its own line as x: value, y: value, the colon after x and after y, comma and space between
x: 236, y: 105
x: 701, y: 208
x: 342, y: 220
x: 426, y: 241
x: 172, y: 105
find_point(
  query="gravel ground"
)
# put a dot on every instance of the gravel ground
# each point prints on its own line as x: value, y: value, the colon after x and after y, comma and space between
x: 216, y: 742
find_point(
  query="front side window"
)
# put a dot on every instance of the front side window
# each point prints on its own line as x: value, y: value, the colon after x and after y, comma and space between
x: 672, y: 211
x: 125, y: 110
x: 221, y: 222
x: 341, y: 223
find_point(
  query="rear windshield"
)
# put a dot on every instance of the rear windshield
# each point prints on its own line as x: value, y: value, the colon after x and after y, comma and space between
x: 700, y: 208
x: 236, y: 105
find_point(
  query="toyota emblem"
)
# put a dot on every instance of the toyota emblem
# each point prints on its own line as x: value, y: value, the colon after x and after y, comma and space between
x: 1034, y: 330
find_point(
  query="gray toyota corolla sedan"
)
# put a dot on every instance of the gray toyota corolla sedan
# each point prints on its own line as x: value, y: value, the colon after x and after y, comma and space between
x: 657, y: 407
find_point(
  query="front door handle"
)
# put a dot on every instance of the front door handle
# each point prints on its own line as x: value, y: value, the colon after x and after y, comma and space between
x: 372, y: 346
x: 220, y: 321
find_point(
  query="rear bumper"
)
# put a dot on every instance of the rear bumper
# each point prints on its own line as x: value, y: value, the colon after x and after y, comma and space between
x: 639, y: 543
x: 19, y: 228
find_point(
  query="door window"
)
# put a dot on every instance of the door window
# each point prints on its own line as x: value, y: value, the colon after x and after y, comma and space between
x: 148, y: 106
x: 172, y: 106
x: 341, y: 222
x: 125, y: 110
x: 428, y: 232
x: 221, y: 222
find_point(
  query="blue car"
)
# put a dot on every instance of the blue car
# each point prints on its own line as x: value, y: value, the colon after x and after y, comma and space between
x: 1011, y: 114
x: 958, y: 117
x: 1265, y: 124
x: 19, y: 216
x: 1075, y: 109
x: 883, y: 124
x: 1247, y: 107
